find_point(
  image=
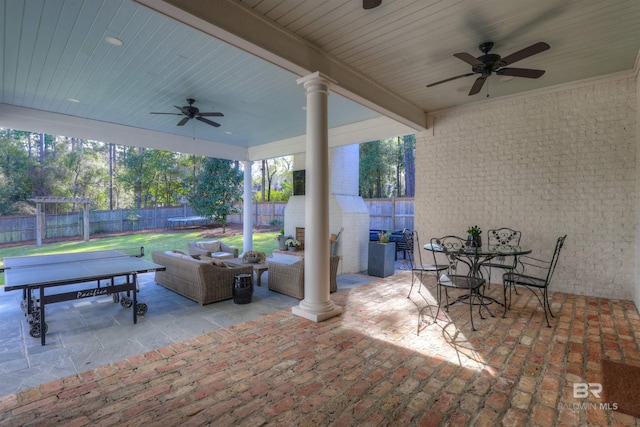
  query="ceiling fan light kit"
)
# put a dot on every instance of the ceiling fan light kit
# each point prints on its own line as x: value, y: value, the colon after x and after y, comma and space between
x: 190, y: 112
x: 370, y: 4
x: 489, y: 63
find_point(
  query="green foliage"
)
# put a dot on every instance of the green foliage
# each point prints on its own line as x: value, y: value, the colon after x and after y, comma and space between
x: 217, y: 190
x: 475, y: 231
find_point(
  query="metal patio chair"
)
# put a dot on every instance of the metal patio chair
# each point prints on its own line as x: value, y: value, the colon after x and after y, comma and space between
x: 458, y: 251
x: 535, y: 275
x: 418, y: 268
x: 502, y: 237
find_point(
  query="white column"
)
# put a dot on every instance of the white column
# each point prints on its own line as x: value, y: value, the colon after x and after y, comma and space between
x: 247, y: 217
x: 85, y: 221
x: 39, y: 223
x: 316, y: 305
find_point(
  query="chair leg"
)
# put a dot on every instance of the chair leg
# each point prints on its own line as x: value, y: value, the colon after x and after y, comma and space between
x: 473, y: 328
x: 413, y: 279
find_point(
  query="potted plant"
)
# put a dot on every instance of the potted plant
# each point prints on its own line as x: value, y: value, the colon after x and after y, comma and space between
x: 474, y: 235
x: 292, y: 244
x: 281, y: 239
x: 382, y: 256
x: 383, y: 236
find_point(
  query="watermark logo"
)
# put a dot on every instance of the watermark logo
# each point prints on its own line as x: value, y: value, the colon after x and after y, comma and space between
x: 584, y: 391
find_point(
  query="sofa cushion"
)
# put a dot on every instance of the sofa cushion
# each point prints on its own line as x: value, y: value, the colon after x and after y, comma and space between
x: 179, y: 254
x: 211, y: 246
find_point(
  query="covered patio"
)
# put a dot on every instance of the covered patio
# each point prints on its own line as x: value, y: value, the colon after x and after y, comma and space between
x: 552, y: 156
x: 367, y: 366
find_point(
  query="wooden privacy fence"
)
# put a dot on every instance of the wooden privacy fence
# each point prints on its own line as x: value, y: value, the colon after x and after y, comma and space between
x: 387, y: 214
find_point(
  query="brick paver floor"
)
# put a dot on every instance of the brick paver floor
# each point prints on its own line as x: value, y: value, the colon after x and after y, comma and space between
x: 382, y: 362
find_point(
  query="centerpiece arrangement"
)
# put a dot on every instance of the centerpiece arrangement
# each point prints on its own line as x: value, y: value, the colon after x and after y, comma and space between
x: 254, y: 257
x: 474, y: 235
x: 292, y: 244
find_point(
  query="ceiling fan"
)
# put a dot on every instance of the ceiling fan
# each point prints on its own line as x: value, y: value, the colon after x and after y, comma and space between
x: 191, y: 112
x: 489, y: 63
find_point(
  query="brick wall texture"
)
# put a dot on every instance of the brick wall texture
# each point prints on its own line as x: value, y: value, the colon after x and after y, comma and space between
x: 548, y: 164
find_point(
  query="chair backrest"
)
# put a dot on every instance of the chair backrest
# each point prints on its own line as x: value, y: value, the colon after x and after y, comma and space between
x: 449, y: 246
x: 504, y: 237
x: 554, y: 259
x: 410, y: 240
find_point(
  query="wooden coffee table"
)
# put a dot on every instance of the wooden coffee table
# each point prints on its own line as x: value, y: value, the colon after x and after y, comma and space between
x: 258, y: 268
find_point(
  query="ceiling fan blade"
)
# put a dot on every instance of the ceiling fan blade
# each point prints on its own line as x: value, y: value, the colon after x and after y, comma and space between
x: 207, y: 121
x: 172, y: 114
x: 183, y: 121
x: 477, y: 85
x: 468, y: 58
x: 524, y: 53
x: 210, y: 114
x: 184, y: 110
x: 451, y: 78
x: 520, y: 72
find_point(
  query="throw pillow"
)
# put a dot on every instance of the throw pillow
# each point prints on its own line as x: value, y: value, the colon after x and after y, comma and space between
x: 212, y: 246
x: 216, y: 262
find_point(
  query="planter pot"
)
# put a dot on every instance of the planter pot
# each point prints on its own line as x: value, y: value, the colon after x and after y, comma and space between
x: 477, y: 240
x: 292, y: 248
x: 381, y: 259
x: 281, y: 240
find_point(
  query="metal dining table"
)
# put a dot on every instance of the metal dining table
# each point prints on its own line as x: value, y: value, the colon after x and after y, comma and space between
x: 474, y: 257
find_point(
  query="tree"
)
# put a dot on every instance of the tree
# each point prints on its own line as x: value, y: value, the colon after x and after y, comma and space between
x: 409, y: 165
x: 217, y: 191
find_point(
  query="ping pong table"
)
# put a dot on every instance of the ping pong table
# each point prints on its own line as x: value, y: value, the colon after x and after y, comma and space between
x: 38, y: 276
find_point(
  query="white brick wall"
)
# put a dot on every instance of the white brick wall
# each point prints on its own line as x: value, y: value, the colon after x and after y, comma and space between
x: 547, y: 164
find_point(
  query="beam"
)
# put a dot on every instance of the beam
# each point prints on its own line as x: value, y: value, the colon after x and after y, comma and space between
x: 236, y: 24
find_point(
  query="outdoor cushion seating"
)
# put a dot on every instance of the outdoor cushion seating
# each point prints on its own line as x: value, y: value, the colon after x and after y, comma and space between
x: 212, y: 248
x: 288, y: 279
x: 197, y: 279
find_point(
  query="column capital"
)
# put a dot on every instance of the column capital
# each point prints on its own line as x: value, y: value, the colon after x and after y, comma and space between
x: 316, y: 78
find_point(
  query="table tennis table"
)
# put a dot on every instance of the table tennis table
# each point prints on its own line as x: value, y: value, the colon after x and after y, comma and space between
x: 37, y: 276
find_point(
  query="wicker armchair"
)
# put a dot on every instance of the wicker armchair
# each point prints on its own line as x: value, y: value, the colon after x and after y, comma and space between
x: 213, y: 249
x: 288, y: 279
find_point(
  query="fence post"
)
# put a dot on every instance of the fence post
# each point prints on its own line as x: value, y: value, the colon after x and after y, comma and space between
x: 393, y: 213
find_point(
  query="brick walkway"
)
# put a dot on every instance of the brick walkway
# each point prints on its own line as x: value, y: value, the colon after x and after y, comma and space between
x: 365, y: 367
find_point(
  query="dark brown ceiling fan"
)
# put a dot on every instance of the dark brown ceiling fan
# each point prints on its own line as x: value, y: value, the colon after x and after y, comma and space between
x: 489, y: 63
x: 190, y: 112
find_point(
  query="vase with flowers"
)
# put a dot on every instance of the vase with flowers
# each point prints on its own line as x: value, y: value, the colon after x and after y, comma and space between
x: 292, y: 244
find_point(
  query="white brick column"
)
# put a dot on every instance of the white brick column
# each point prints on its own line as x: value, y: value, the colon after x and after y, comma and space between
x: 316, y: 305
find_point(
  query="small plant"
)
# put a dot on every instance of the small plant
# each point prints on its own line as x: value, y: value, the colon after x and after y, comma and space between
x: 474, y: 231
x: 384, y: 236
x: 282, y: 230
x: 292, y: 243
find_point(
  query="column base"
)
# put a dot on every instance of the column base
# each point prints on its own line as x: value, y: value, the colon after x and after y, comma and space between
x: 317, y: 312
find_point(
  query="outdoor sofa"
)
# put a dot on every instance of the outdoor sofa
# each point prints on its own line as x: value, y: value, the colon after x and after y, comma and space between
x: 197, y: 279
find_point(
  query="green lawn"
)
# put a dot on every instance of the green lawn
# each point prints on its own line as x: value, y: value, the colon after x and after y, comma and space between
x: 265, y: 242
